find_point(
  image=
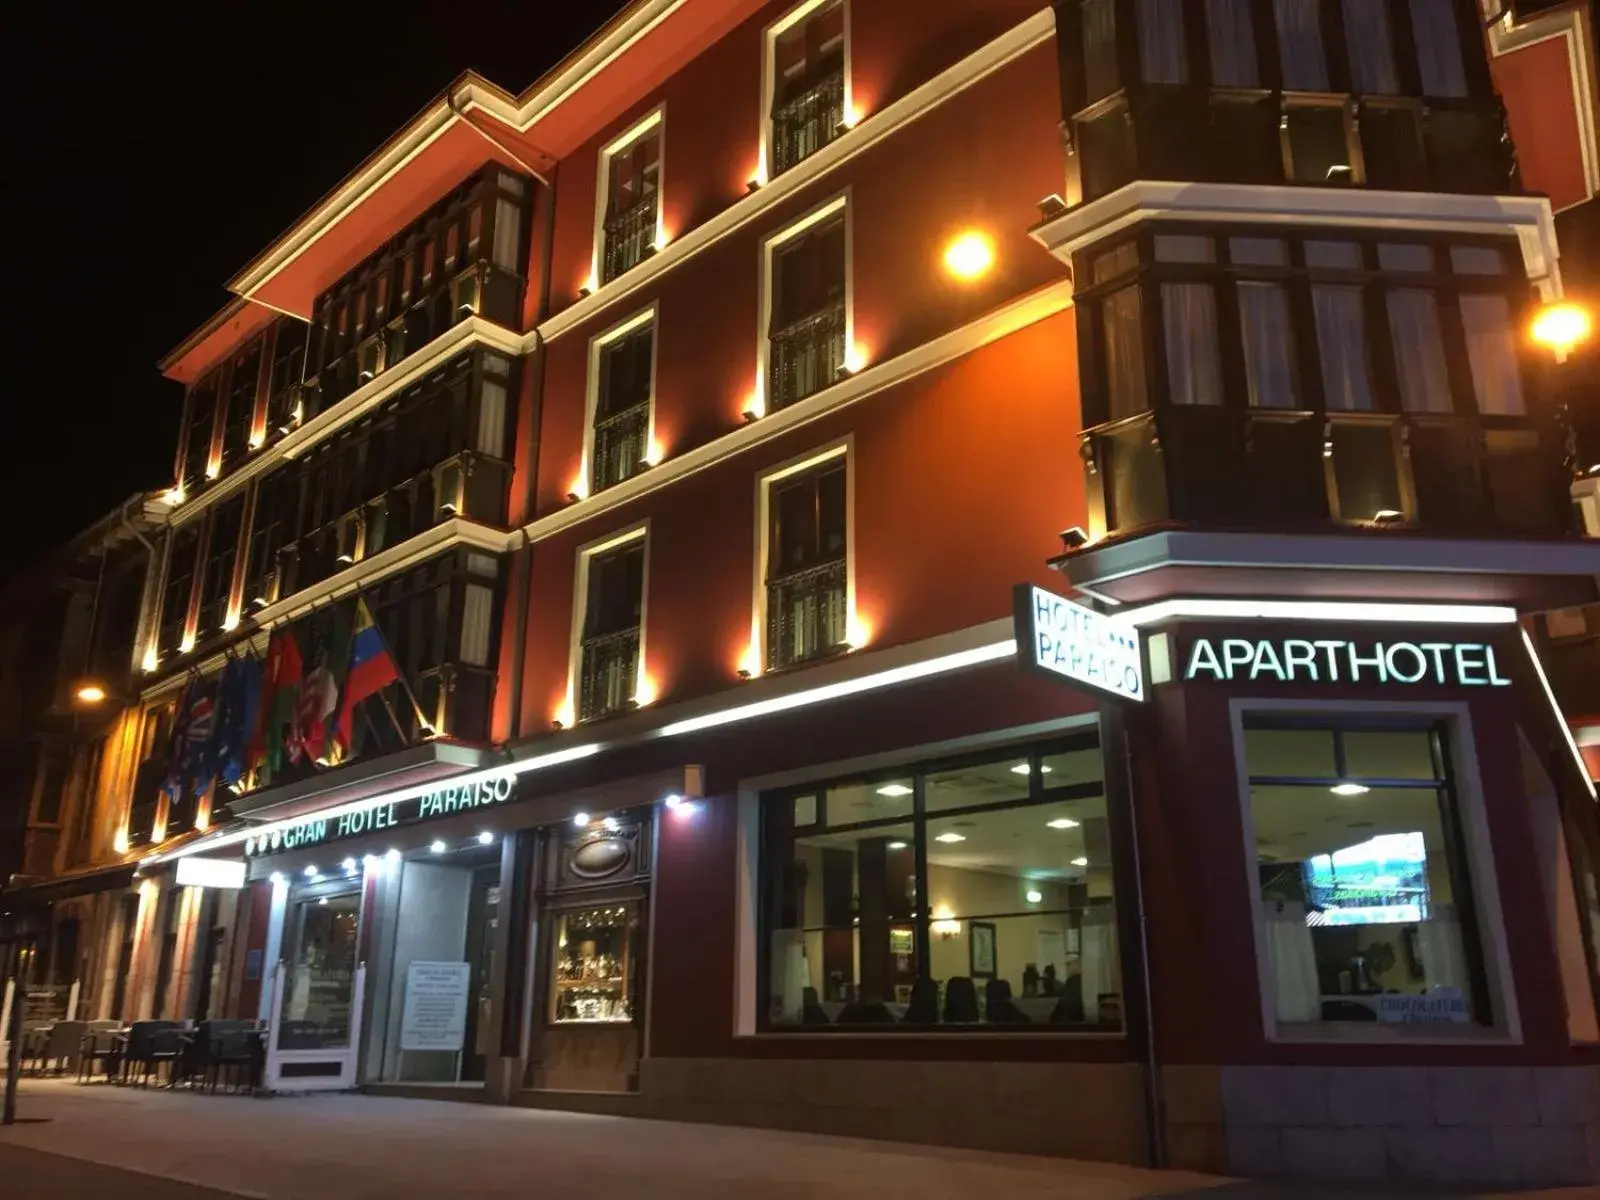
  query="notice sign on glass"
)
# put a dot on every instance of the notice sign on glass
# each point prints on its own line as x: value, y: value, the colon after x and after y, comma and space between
x: 1075, y: 643
x: 435, y: 1013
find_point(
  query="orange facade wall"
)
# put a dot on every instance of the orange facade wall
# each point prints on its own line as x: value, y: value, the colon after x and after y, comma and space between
x: 962, y: 477
x: 981, y: 160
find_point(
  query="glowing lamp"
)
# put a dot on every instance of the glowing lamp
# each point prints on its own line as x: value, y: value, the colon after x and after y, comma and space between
x: 969, y: 257
x: 90, y: 693
x: 1562, y: 327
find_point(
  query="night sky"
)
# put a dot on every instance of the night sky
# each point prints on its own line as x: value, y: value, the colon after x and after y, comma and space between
x: 153, y: 152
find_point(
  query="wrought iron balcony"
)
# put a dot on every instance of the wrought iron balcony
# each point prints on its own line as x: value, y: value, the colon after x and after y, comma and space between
x: 629, y: 237
x: 808, y: 122
x: 608, y: 673
x: 807, y: 615
x: 807, y: 355
x: 620, y: 443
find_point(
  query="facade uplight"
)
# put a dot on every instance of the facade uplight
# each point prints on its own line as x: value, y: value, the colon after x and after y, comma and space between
x: 969, y: 257
x: 1561, y: 328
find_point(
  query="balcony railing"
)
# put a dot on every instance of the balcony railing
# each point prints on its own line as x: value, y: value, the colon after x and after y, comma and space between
x: 1287, y: 470
x: 807, y: 355
x: 629, y: 236
x: 807, y: 615
x: 620, y: 443
x: 608, y: 674
x: 808, y: 122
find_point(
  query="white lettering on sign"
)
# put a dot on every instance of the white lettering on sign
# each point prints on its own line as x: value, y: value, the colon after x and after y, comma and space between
x: 441, y: 802
x: 1337, y: 660
x: 1081, y: 645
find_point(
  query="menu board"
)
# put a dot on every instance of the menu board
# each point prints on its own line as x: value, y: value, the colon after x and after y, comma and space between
x: 435, y: 1013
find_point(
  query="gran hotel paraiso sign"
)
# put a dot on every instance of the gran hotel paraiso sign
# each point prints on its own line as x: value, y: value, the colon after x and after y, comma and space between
x: 1343, y: 660
x: 441, y: 802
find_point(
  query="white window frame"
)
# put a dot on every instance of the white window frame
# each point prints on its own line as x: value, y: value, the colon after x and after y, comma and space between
x: 769, y: 77
x: 844, y: 448
x: 587, y: 553
x: 770, y: 246
x: 1480, y: 865
x: 591, y: 401
x: 655, y: 120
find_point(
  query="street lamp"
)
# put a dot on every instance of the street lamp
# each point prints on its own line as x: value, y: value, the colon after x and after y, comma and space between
x: 90, y: 692
x: 1561, y: 328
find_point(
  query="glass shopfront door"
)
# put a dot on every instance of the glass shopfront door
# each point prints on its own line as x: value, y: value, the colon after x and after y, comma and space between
x: 319, y: 984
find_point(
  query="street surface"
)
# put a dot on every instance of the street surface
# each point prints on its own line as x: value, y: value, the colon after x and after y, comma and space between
x: 133, y: 1144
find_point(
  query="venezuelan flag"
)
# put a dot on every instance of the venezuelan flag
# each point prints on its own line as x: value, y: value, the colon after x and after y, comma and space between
x: 371, y: 667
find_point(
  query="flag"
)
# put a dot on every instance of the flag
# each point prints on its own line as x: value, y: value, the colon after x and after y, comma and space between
x: 238, y: 699
x: 370, y: 668
x: 178, y: 745
x: 273, y: 744
x: 199, y: 755
x: 319, y: 695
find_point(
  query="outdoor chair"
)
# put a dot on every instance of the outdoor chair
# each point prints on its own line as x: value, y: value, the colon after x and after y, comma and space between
x: 151, y: 1043
x: 62, y: 1046
x: 234, y: 1050
x: 100, y: 1049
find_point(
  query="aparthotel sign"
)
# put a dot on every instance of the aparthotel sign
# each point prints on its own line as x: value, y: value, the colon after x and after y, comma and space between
x: 1344, y: 660
x: 1075, y: 643
x: 441, y: 802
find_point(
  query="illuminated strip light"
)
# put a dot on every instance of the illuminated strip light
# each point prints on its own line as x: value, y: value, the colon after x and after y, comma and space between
x: 554, y: 759
x: 1319, y: 610
x: 849, y: 687
x: 1561, y: 720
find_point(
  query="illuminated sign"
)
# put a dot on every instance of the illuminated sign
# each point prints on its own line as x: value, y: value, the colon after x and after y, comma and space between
x: 1341, y: 660
x: 195, y: 871
x: 1077, y: 644
x: 441, y: 802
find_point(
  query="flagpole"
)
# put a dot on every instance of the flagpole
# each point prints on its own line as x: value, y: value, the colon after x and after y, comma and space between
x: 399, y: 671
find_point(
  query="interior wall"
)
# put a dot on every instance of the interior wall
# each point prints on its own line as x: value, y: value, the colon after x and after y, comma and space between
x: 431, y: 926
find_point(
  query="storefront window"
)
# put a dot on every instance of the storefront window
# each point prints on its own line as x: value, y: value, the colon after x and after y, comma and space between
x: 594, y: 965
x: 949, y: 895
x: 319, y: 986
x: 1363, y: 885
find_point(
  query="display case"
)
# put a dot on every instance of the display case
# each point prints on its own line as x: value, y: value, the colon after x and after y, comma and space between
x: 592, y: 974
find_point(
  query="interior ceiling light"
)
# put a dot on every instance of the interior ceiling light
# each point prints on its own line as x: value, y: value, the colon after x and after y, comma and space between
x: 1062, y: 823
x: 1349, y: 789
x: 894, y: 790
x: 950, y: 839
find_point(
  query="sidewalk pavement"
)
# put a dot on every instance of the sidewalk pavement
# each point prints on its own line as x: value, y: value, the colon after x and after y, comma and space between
x: 355, y: 1147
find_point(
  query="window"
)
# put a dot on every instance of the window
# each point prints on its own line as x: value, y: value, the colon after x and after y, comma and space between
x: 807, y: 585
x: 1265, y: 327
x: 1189, y: 315
x: 243, y: 377
x: 594, y: 971
x: 1371, y: 46
x: 1161, y: 41
x: 1492, y: 353
x: 625, y: 366
x: 631, y: 194
x: 1316, y: 143
x: 806, y: 60
x: 808, y: 329
x: 181, y: 557
x: 222, y: 549
x: 52, y: 788
x: 288, y: 363
x: 612, y: 588
x: 973, y: 893
x: 1363, y: 881
x: 1233, y: 43
x: 1438, y: 40
x: 197, y: 435
x: 1305, y: 64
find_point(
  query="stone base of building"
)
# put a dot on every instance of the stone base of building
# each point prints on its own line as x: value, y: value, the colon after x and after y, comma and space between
x: 1525, y: 1125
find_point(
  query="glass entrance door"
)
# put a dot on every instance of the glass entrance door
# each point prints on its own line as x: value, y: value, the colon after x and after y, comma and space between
x: 482, y: 923
x: 319, y: 985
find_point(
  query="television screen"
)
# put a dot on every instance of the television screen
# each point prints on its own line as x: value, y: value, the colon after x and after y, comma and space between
x: 1381, y: 881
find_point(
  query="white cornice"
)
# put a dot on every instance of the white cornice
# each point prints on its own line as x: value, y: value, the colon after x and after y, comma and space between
x: 1002, y: 322
x: 1527, y: 217
x: 464, y: 335
x: 868, y: 133
x: 444, y: 536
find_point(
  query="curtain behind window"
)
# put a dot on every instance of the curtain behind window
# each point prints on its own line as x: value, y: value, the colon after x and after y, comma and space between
x: 1419, y: 351
x: 1194, y: 374
x: 1342, y: 343
x: 1099, y: 48
x: 1233, y: 44
x: 1433, y: 23
x: 1492, y: 351
x: 1268, y: 345
x: 1305, y: 66
x: 1366, y: 29
x: 1161, y: 57
x: 1120, y: 325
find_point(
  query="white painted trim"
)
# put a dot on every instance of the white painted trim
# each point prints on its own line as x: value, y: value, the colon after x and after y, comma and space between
x: 1573, y: 25
x: 591, y: 392
x: 1006, y: 48
x: 457, y: 531
x: 459, y: 338
x: 656, y: 119
x: 769, y: 76
x: 844, y: 448
x: 580, y: 607
x: 1528, y: 218
x: 930, y: 355
x: 1507, y: 1026
x: 1316, y: 610
x: 1560, y: 717
x: 770, y: 246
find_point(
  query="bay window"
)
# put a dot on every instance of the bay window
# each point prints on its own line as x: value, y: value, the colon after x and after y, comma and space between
x: 974, y: 893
